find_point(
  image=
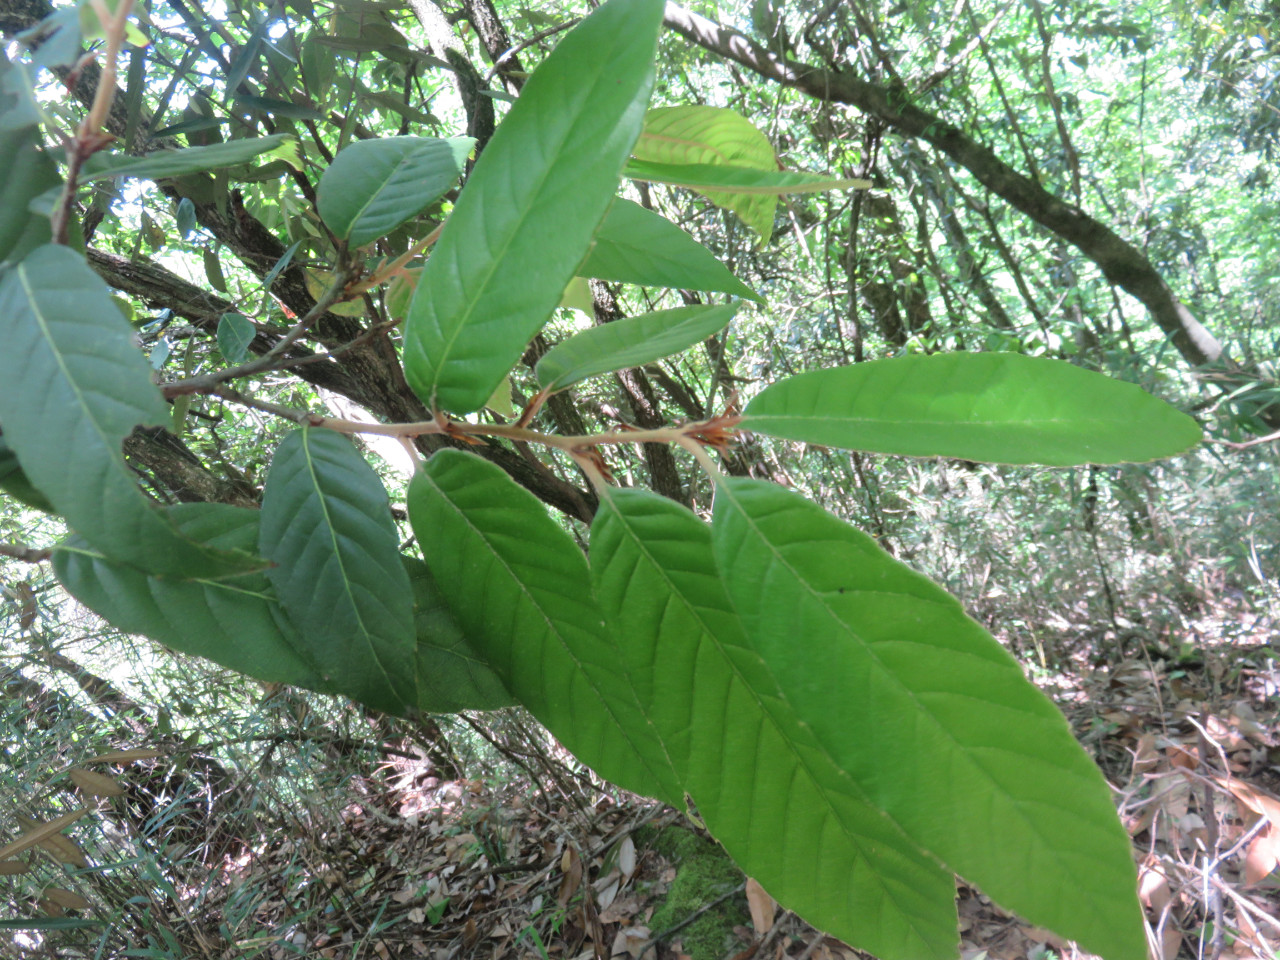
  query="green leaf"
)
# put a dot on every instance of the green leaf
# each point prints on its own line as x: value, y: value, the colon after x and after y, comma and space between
x: 516, y: 583
x: 452, y: 676
x: 628, y: 343
x: 186, y: 217
x: 174, y: 163
x: 14, y: 482
x: 710, y: 136
x: 72, y: 387
x: 28, y: 170
x: 213, y: 270
x: 327, y: 527
x: 635, y: 245
x: 766, y: 789
x: 373, y: 186
x: 523, y: 224
x: 248, y: 103
x: 235, y: 333
x: 749, y: 183
x: 50, y: 923
x: 992, y: 407
x: 235, y: 622
x: 929, y: 715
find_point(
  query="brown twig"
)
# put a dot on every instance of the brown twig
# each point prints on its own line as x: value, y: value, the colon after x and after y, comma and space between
x: 27, y: 554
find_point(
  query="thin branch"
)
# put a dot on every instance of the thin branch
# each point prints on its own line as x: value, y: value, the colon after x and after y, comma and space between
x: 26, y: 554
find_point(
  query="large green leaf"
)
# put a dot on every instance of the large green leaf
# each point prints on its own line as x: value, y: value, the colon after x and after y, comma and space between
x: 635, y: 245
x: 994, y: 407
x: 757, y: 184
x: 765, y: 787
x: 175, y: 163
x: 451, y: 675
x: 696, y: 134
x: 72, y: 387
x: 235, y: 622
x: 373, y: 186
x: 522, y: 226
x: 14, y: 483
x: 629, y: 343
x: 327, y: 527
x: 517, y: 584
x: 929, y: 715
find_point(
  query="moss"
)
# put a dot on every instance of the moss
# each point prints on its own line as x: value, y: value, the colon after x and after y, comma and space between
x: 704, y: 872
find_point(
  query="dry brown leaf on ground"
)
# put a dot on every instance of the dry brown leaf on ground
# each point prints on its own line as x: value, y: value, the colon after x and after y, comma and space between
x: 763, y: 907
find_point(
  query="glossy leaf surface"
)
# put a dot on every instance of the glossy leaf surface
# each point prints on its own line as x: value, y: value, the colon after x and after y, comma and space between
x: 452, y: 676
x: 72, y: 387
x: 635, y: 245
x: 929, y: 715
x: 517, y: 584
x: 766, y: 788
x: 235, y: 622
x: 522, y: 225
x: 993, y: 407
x: 373, y: 186
x: 712, y: 136
x: 630, y: 342
x: 327, y: 527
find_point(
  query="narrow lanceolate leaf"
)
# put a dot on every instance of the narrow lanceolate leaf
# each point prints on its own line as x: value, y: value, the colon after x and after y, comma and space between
x: 635, y: 245
x: 373, y: 186
x: 523, y: 224
x: 517, y: 584
x: 72, y: 387
x: 991, y: 407
x: 452, y: 676
x: 162, y: 164
x: 929, y: 715
x: 175, y: 163
x: 739, y: 180
x: 235, y: 622
x: 629, y: 343
x: 694, y: 134
x: 327, y: 527
x: 14, y: 483
x: 767, y: 790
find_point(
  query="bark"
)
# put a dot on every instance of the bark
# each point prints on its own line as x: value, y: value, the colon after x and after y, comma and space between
x: 1120, y: 262
x: 471, y: 86
x: 496, y: 41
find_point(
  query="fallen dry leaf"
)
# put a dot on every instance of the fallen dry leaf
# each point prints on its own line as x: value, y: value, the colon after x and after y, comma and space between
x: 763, y: 907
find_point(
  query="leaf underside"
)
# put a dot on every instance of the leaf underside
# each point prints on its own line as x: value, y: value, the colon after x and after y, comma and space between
x: 991, y: 407
x: 72, y: 387
x: 766, y: 789
x: 929, y: 715
x: 235, y: 622
x: 327, y: 528
x: 516, y: 584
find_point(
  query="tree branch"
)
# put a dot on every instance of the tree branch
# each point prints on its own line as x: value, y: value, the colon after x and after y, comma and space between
x: 1120, y: 262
